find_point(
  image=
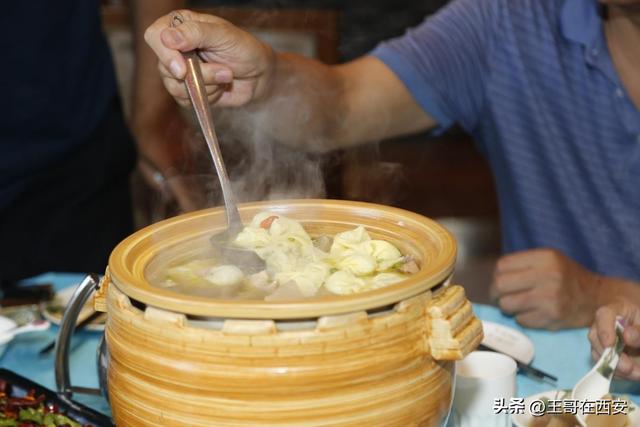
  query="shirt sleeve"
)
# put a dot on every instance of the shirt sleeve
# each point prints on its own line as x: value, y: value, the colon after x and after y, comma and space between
x: 444, y: 61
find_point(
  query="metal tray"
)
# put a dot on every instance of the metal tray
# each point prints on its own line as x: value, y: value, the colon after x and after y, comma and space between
x: 20, y: 386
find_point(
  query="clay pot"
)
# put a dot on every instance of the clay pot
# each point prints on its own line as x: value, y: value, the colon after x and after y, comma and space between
x: 379, y: 358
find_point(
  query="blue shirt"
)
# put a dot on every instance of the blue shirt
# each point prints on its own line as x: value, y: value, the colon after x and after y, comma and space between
x: 57, y: 82
x: 533, y: 82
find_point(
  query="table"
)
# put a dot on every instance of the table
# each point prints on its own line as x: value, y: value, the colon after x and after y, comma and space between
x: 21, y: 355
x: 565, y: 354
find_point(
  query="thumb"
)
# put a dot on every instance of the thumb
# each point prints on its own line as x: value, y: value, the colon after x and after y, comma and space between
x: 192, y: 35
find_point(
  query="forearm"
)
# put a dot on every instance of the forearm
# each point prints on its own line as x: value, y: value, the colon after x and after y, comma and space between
x: 150, y: 102
x: 321, y: 107
x: 302, y: 104
x: 286, y: 97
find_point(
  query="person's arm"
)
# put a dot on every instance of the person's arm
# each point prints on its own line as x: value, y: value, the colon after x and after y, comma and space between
x: 543, y: 288
x: 330, y: 107
x: 156, y: 121
x: 602, y: 335
x: 293, y: 99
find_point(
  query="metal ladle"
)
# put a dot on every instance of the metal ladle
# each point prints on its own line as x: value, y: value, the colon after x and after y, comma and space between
x: 247, y: 260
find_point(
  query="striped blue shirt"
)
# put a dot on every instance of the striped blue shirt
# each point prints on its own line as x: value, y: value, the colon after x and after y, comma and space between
x: 533, y: 82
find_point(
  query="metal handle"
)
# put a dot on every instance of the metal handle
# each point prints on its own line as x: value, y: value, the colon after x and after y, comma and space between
x: 198, y: 95
x: 451, y: 367
x: 83, y: 292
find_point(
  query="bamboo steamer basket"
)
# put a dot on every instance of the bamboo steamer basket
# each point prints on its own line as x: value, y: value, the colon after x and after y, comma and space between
x: 379, y: 358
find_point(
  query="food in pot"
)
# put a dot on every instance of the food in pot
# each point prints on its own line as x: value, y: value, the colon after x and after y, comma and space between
x: 297, y: 265
x: 30, y: 411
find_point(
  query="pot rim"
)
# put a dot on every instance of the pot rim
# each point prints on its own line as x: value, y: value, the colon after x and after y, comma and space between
x: 128, y: 261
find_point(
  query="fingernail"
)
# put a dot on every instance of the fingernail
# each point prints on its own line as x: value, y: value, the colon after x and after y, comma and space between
x: 632, y: 335
x: 175, y: 35
x: 176, y: 69
x: 224, y: 76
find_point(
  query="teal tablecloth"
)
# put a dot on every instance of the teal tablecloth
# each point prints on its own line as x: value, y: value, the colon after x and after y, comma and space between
x: 565, y: 354
x: 21, y: 355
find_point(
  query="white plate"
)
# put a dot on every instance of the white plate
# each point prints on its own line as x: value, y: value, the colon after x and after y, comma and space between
x: 5, y: 325
x: 523, y: 420
x: 508, y: 341
x: 53, y: 310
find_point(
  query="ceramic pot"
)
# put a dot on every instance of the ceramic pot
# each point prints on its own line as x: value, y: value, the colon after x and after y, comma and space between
x: 383, y: 357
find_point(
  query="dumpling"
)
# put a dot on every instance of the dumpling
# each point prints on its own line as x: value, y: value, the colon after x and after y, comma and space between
x: 344, y: 283
x: 358, y: 264
x: 191, y: 273
x: 348, y: 241
x: 309, y: 279
x: 253, y: 238
x: 385, y: 254
x: 291, y: 237
x: 277, y: 260
x: 268, y: 234
x: 225, y: 275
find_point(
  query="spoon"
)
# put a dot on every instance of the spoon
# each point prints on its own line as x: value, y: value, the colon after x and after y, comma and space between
x: 35, y: 325
x: 245, y: 259
x: 596, y: 383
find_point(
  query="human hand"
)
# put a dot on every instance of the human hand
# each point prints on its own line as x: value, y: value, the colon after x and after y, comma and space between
x: 602, y: 335
x: 237, y: 67
x: 543, y: 288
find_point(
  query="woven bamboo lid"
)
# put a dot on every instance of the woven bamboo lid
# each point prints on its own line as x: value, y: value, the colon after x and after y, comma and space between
x: 431, y: 244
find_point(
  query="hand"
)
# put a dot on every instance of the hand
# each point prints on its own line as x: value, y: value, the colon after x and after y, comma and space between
x: 543, y: 288
x: 602, y: 334
x: 237, y: 67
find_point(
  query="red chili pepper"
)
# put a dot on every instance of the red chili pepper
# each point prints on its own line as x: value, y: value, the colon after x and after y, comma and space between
x: 266, y: 224
x: 24, y: 401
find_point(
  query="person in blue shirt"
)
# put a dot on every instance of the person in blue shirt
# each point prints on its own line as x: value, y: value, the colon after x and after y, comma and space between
x: 549, y: 89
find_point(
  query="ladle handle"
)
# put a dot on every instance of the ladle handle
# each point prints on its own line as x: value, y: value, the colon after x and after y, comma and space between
x: 63, y: 343
x: 198, y: 95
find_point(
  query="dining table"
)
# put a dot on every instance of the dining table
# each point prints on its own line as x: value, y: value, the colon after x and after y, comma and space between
x: 565, y: 354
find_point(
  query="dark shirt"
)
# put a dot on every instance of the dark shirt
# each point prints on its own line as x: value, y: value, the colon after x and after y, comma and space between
x: 57, y: 83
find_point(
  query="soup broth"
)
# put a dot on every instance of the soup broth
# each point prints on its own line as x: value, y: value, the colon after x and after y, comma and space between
x: 297, y: 265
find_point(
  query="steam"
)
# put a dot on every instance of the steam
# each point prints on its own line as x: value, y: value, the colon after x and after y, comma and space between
x: 259, y: 167
x: 263, y: 169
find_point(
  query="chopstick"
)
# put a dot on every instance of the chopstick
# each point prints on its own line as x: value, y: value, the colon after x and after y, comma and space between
x: 528, y: 370
x: 93, y: 316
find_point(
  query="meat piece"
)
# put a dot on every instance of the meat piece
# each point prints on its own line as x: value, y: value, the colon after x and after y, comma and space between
x: 262, y: 282
x: 266, y: 223
x: 410, y: 266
